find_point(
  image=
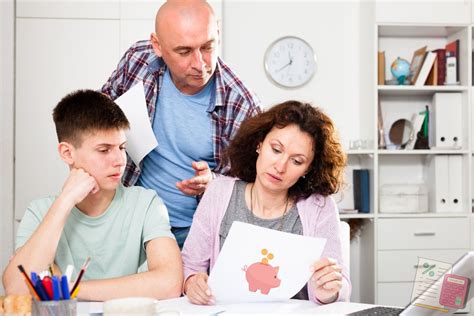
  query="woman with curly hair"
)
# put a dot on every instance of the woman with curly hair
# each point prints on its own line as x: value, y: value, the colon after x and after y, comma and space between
x: 285, y: 163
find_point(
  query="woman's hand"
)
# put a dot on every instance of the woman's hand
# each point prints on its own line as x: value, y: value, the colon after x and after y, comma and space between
x: 197, y: 290
x: 326, y: 280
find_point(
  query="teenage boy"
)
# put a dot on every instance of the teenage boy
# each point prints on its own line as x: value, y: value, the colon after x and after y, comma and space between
x: 123, y: 230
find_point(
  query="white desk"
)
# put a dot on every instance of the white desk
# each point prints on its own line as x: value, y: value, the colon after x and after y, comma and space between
x: 181, y: 306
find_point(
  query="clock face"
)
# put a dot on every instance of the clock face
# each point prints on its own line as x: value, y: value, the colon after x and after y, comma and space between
x: 290, y: 62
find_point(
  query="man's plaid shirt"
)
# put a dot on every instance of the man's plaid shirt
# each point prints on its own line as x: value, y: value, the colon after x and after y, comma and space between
x: 233, y: 101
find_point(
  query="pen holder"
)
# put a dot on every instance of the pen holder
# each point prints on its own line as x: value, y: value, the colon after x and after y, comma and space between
x: 54, y: 308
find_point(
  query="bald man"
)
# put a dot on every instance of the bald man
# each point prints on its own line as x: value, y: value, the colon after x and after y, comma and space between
x: 196, y: 104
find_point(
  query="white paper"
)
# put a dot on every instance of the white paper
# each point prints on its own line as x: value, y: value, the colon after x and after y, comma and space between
x: 428, y: 283
x: 242, y: 255
x: 140, y: 138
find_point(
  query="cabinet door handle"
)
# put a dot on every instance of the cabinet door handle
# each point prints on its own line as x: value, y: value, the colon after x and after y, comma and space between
x: 424, y: 234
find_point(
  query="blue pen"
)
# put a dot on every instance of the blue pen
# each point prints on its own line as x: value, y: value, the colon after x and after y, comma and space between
x: 41, y: 291
x: 56, y: 293
x: 65, y: 287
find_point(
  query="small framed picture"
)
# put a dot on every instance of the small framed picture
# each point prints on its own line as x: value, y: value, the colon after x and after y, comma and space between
x: 416, y: 63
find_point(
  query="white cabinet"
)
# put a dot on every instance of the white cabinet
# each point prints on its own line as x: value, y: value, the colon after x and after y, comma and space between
x: 423, y: 233
x: 53, y: 58
x: 444, y: 233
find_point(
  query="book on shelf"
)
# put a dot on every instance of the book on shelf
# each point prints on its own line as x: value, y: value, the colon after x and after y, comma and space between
x: 416, y: 63
x: 361, y: 187
x: 426, y: 67
x: 433, y: 76
x: 381, y: 68
x: 452, y: 62
x: 441, y: 65
x: 348, y: 211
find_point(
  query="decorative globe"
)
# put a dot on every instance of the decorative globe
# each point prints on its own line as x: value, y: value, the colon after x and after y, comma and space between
x: 400, y: 69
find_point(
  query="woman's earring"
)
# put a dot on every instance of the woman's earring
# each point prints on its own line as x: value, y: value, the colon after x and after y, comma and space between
x: 258, y: 151
x: 304, y: 177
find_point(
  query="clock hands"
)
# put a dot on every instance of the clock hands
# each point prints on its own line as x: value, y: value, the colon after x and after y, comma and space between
x: 286, y: 65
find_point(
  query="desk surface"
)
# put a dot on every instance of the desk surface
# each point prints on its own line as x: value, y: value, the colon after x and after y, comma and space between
x: 181, y: 306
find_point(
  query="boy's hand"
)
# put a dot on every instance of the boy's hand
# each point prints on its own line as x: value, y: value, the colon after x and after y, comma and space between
x: 197, y: 184
x: 78, y: 186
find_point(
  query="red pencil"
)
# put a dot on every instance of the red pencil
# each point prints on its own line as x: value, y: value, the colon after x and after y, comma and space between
x: 79, y: 277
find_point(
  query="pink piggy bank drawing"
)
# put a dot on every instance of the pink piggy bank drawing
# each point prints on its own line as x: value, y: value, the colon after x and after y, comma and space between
x: 261, y: 276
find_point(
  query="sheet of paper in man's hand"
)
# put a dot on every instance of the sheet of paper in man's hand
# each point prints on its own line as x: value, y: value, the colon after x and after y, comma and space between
x: 140, y: 138
x: 258, y: 264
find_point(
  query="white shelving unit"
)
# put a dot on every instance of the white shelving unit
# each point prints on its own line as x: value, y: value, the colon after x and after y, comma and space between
x: 400, y: 238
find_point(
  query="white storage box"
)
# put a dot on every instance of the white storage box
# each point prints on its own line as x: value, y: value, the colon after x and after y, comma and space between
x: 403, y: 198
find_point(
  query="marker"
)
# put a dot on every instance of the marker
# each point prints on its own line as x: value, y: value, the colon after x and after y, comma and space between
x: 41, y: 291
x: 69, y: 270
x: 48, y: 286
x: 34, y: 277
x: 65, y: 288
x: 28, y: 282
x: 56, y: 291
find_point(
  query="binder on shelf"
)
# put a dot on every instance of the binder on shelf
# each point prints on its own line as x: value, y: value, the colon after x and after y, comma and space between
x: 445, y: 121
x: 425, y: 69
x: 445, y: 184
x: 361, y: 187
x: 455, y: 197
x: 438, y: 184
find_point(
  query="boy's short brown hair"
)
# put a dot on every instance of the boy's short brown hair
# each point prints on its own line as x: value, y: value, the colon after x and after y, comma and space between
x: 84, y: 111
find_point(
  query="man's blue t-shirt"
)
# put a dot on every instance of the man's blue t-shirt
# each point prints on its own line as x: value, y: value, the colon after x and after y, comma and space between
x: 183, y: 129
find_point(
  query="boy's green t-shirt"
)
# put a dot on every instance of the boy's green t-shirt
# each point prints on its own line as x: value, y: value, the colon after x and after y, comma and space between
x: 115, y: 240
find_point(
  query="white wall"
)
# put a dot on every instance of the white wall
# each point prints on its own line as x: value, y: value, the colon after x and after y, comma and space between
x: 330, y: 27
x: 6, y: 131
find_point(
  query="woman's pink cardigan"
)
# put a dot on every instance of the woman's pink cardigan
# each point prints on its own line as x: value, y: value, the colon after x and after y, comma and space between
x: 319, y: 217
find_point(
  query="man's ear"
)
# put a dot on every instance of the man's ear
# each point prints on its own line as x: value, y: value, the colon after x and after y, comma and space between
x: 155, y: 43
x: 66, y: 152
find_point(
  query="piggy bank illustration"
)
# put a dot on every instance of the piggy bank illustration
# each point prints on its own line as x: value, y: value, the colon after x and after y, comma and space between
x: 261, y: 276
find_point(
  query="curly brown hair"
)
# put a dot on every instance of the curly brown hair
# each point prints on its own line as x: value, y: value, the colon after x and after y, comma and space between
x: 326, y: 173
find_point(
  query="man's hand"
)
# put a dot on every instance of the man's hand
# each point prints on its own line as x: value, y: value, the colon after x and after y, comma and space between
x: 197, y: 184
x: 78, y: 186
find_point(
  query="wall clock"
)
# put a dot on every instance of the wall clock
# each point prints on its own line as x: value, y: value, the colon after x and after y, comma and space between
x: 290, y: 62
